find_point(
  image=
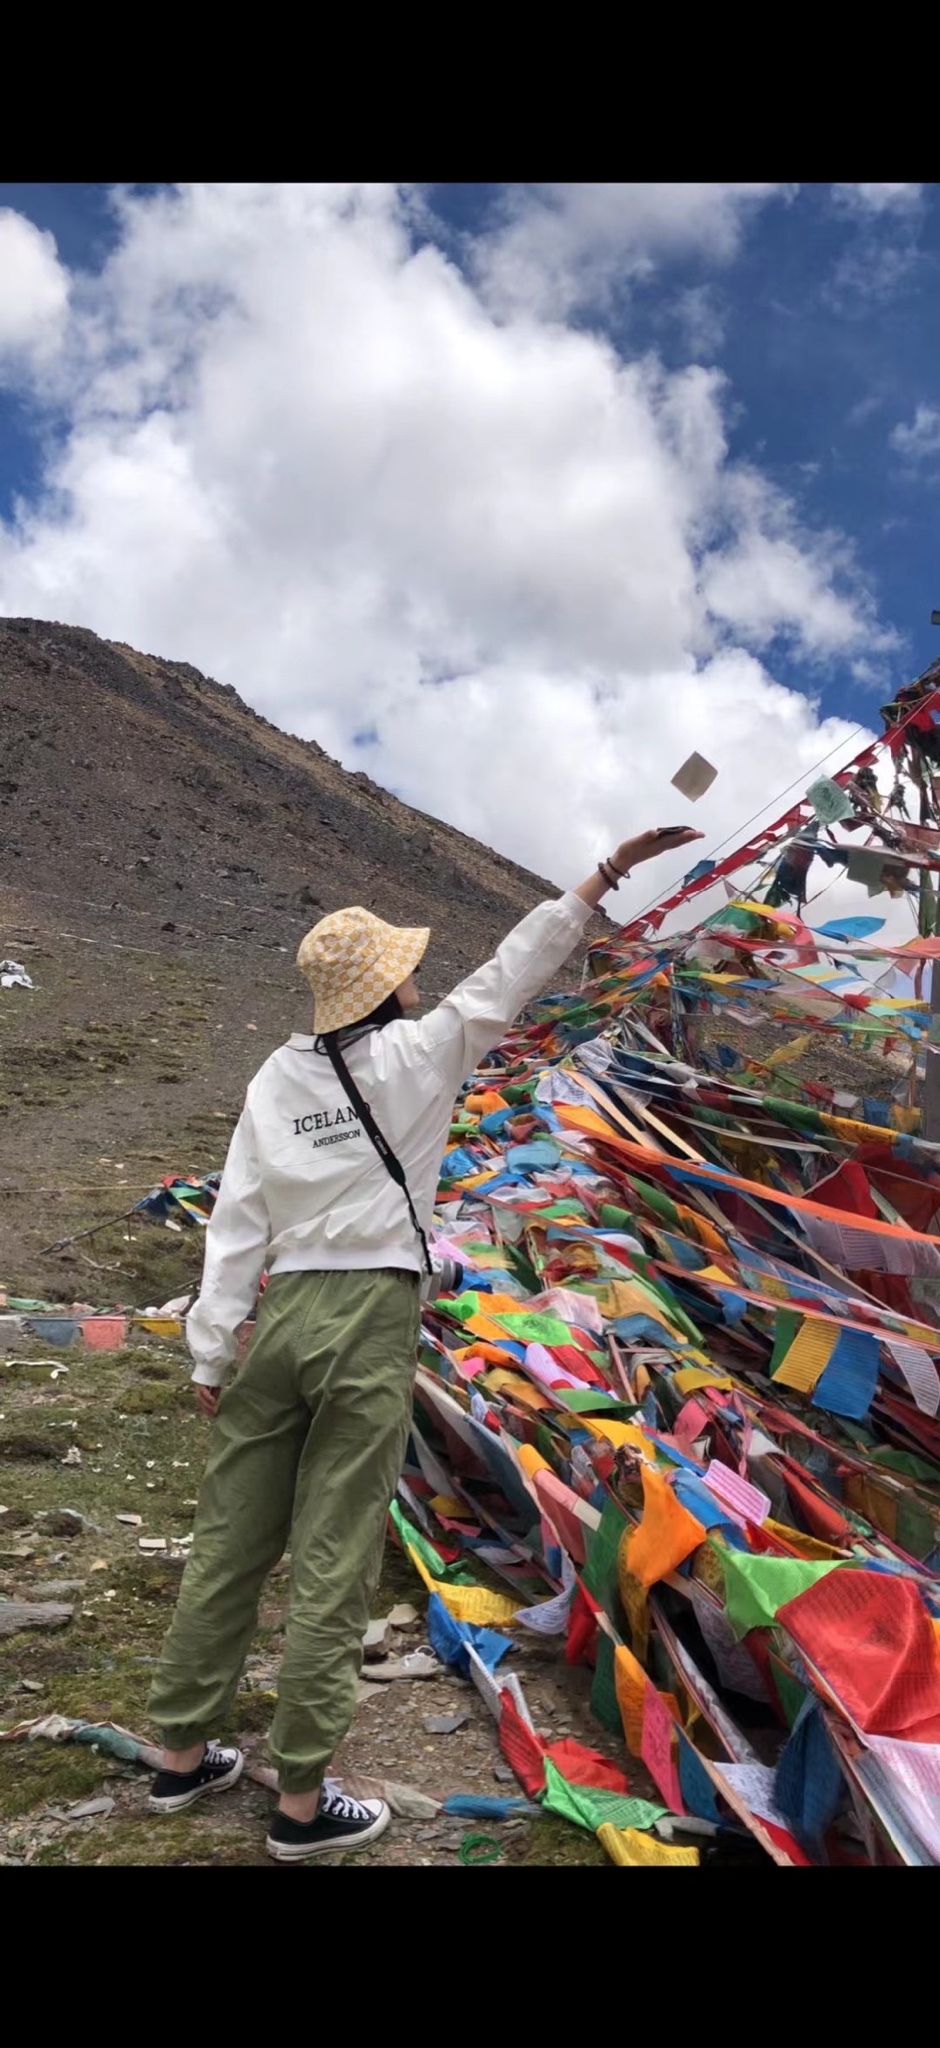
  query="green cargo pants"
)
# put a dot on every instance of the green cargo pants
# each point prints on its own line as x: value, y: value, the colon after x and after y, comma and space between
x: 307, y: 1448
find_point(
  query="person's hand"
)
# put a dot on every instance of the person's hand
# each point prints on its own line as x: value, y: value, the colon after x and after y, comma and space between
x: 208, y: 1399
x: 647, y: 844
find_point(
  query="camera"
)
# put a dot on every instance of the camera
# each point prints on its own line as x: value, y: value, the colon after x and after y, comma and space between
x: 445, y: 1277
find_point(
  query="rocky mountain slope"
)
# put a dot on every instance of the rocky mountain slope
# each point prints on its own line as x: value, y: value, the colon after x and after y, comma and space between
x: 162, y: 851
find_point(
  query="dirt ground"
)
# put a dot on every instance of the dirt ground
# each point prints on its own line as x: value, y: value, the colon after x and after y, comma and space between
x: 130, y: 1418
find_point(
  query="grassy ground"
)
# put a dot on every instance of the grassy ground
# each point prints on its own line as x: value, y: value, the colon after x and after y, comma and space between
x: 130, y: 1417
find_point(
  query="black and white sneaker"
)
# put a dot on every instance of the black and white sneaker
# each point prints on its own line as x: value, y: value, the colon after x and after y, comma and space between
x: 342, y: 1823
x: 220, y: 1768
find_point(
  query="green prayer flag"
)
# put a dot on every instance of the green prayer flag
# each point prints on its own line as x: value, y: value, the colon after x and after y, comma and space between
x: 616, y: 1219
x: 458, y: 1573
x: 786, y: 1326
x: 600, y: 1570
x: 790, y: 1692
x: 591, y: 1401
x: 755, y: 1586
x: 589, y: 1807
x: 917, y: 1526
x: 655, y: 1199
x: 545, y: 1444
x: 798, y: 1114
x: 604, y: 1703
x: 534, y: 1327
x: 466, y: 1305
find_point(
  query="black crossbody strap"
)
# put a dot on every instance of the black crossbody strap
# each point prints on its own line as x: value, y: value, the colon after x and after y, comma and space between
x: 389, y: 1159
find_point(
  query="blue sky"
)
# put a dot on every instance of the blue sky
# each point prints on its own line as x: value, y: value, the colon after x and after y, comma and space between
x: 617, y: 465
x: 827, y: 327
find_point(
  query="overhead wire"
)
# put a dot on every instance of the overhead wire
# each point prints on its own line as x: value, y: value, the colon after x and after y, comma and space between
x: 769, y: 805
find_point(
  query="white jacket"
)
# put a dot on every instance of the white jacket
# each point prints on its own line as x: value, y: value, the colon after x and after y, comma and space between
x: 304, y: 1189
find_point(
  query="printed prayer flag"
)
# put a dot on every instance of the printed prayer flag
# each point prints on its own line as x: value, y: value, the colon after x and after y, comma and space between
x: 626, y: 1845
x: 809, y: 1354
x: 658, y: 1748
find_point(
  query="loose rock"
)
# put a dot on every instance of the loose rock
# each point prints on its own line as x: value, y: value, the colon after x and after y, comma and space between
x: 18, y: 1614
x: 377, y: 1641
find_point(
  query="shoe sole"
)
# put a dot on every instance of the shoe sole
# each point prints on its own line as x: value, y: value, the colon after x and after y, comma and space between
x: 302, y: 1852
x: 178, y: 1800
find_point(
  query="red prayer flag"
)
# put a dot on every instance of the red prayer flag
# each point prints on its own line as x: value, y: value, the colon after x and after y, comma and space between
x: 521, y: 1747
x: 870, y: 1637
x: 581, y: 1644
x: 583, y: 1766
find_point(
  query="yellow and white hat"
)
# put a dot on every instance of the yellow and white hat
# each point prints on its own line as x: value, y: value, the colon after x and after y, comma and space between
x: 352, y: 961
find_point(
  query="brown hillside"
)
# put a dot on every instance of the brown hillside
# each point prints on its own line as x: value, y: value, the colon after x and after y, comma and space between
x: 162, y: 851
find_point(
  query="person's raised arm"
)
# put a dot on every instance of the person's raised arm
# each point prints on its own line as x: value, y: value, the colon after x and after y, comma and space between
x: 609, y: 873
x: 476, y: 1015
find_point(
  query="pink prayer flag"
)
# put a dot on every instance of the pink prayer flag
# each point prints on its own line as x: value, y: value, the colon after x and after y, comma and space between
x: 691, y: 1419
x: 743, y: 1499
x: 656, y: 1748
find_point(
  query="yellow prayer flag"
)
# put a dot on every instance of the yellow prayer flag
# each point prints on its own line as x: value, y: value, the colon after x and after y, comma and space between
x: 617, y: 1433
x: 777, y: 927
x: 501, y: 1381
x: 776, y: 1288
x: 785, y: 1053
x: 806, y: 1546
x: 531, y: 1460
x: 904, y: 1119
x: 581, y: 1258
x: 628, y: 1845
x: 475, y: 1604
x: 421, y: 1569
x: 808, y: 1356
x: 700, y: 1228
x: 691, y: 1377
x: 920, y: 1333
x: 851, y: 1131
x: 708, y: 1569
x: 632, y: 1297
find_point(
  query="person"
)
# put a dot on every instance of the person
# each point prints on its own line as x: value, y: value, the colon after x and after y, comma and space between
x: 308, y: 1441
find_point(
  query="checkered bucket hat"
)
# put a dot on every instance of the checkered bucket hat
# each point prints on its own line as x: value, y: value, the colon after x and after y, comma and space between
x: 352, y: 961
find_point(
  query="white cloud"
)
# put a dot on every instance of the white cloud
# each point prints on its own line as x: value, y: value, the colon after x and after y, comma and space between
x: 701, y: 318
x: 33, y: 292
x: 871, y: 272
x: 882, y: 250
x: 305, y: 456
x: 864, y: 409
x: 771, y: 578
x: 919, y: 441
x: 583, y: 765
x: 564, y: 246
x: 879, y: 199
